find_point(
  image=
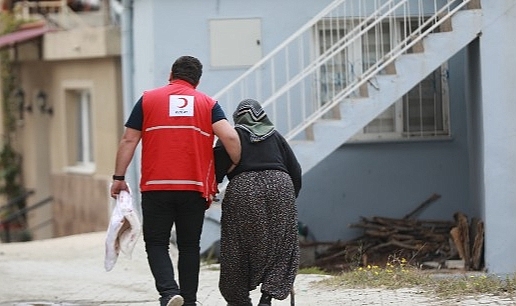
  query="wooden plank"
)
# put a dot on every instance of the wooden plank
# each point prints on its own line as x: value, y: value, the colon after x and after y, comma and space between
x: 419, y: 240
x: 478, y: 244
x: 463, y: 226
x: 457, y: 241
x: 434, y: 197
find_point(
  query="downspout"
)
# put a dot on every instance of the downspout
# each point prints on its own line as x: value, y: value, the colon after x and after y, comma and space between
x: 132, y: 173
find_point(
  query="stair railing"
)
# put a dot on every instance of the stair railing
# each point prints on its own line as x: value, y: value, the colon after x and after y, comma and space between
x: 424, y: 28
x: 6, y: 221
x: 357, y: 32
x: 288, y: 80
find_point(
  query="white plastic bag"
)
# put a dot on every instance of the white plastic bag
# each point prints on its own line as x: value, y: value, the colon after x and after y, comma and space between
x: 123, y: 230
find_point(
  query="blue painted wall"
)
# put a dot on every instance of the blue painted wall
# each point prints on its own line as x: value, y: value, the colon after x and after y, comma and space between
x: 497, y: 147
x: 473, y: 173
x: 167, y: 29
x: 380, y: 179
x: 391, y: 179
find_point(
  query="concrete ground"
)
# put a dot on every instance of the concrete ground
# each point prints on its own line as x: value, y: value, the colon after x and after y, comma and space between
x: 69, y: 271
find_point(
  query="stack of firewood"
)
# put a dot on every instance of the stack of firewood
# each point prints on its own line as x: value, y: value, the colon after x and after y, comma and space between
x: 425, y: 243
x: 468, y: 238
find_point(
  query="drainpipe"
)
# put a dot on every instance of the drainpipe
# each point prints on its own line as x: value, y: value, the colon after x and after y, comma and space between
x: 132, y: 172
x: 127, y: 55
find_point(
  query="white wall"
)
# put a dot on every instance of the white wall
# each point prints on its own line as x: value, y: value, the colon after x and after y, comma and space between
x: 498, y: 63
x: 167, y: 29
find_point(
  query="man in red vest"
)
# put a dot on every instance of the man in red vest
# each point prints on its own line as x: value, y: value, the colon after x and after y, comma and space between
x: 176, y: 124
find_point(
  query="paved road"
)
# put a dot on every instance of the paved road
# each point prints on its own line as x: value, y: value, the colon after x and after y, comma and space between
x: 69, y: 271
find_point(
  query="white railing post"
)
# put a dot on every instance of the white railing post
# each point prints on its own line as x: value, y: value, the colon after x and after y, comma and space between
x: 293, y: 77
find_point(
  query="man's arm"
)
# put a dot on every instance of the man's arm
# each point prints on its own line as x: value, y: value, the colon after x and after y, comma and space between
x: 229, y: 138
x: 124, y: 155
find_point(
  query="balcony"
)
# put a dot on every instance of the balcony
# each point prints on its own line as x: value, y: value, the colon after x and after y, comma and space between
x: 77, y: 29
x: 83, y: 42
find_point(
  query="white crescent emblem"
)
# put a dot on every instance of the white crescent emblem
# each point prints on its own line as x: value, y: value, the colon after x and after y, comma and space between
x: 184, y: 104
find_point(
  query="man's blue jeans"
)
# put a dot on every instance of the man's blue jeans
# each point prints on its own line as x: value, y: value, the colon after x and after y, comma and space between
x: 161, y: 209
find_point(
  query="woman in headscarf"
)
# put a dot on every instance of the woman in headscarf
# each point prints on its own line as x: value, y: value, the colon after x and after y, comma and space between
x: 259, y: 234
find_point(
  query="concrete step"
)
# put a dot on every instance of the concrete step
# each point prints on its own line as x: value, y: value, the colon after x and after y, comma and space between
x: 384, y: 90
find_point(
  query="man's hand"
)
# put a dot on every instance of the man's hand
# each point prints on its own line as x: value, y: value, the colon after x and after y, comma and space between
x: 229, y: 138
x: 118, y: 186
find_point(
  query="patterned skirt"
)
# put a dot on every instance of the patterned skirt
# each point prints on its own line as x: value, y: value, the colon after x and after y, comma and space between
x: 259, y: 236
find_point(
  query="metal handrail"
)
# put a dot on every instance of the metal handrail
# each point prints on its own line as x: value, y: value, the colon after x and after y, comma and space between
x: 364, y: 26
x: 265, y: 76
x: 282, y: 46
x: 16, y: 200
x: 22, y: 211
x: 386, y: 60
x: 13, y: 216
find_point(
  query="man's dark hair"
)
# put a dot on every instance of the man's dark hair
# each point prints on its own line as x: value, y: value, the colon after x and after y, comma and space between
x: 187, y: 68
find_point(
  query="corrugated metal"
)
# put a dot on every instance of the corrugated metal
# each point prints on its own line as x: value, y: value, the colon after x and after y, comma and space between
x: 13, y: 38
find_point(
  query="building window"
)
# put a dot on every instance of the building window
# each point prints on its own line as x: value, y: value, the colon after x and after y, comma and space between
x: 420, y: 113
x: 79, y: 131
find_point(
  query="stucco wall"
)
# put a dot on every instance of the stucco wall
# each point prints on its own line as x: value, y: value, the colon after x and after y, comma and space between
x: 388, y: 179
x: 391, y: 179
x: 44, y: 144
x: 498, y: 77
x: 80, y: 204
x: 33, y: 136
x: 167, y: 29
x: 102, y: 77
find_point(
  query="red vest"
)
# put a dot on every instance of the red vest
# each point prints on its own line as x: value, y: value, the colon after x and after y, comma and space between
x: 177, y: 140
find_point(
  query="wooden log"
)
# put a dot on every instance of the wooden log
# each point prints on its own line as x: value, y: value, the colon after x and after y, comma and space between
x: 478, y: 244
x: 434, y: 197
x: 435, y: 237
x: 401, y: 237
x: 393, y: 221
x: 396, y: 243
x: 437, y: 223
x: 368, y: 226
x: 380, y: 234
x: 419, y: 240
x: 457, y: 241
x: 462, y: 224
x: 332, y: 256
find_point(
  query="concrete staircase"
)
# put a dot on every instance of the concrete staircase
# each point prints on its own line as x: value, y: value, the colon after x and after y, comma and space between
x: 383, y: 90
x: 408, y: 70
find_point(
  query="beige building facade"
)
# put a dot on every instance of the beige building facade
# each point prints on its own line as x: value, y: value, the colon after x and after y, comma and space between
x: 69, y: 126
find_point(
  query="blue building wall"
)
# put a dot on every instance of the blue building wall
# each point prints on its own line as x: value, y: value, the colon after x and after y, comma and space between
x: 375, y: 179
x: 473, y: 173
x: 167, y: 29
x: 497, y: 137
x: 391, y: 179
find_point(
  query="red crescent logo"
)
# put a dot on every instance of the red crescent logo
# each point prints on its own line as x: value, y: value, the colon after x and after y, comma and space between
x: 185, y: 102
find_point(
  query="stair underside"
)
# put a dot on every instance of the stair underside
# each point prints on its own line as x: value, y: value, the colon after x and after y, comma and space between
x: 356, y: 113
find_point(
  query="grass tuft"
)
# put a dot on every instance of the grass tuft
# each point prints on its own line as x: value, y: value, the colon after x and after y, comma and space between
x: 312, y: 270
x: 398, y: 274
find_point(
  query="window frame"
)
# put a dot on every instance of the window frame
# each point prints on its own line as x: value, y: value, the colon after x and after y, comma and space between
x: 78, y: 151
x: 398, y: 108
x: 399, y: 134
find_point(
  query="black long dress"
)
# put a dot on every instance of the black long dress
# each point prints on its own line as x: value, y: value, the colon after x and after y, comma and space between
x: 259, y: 234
